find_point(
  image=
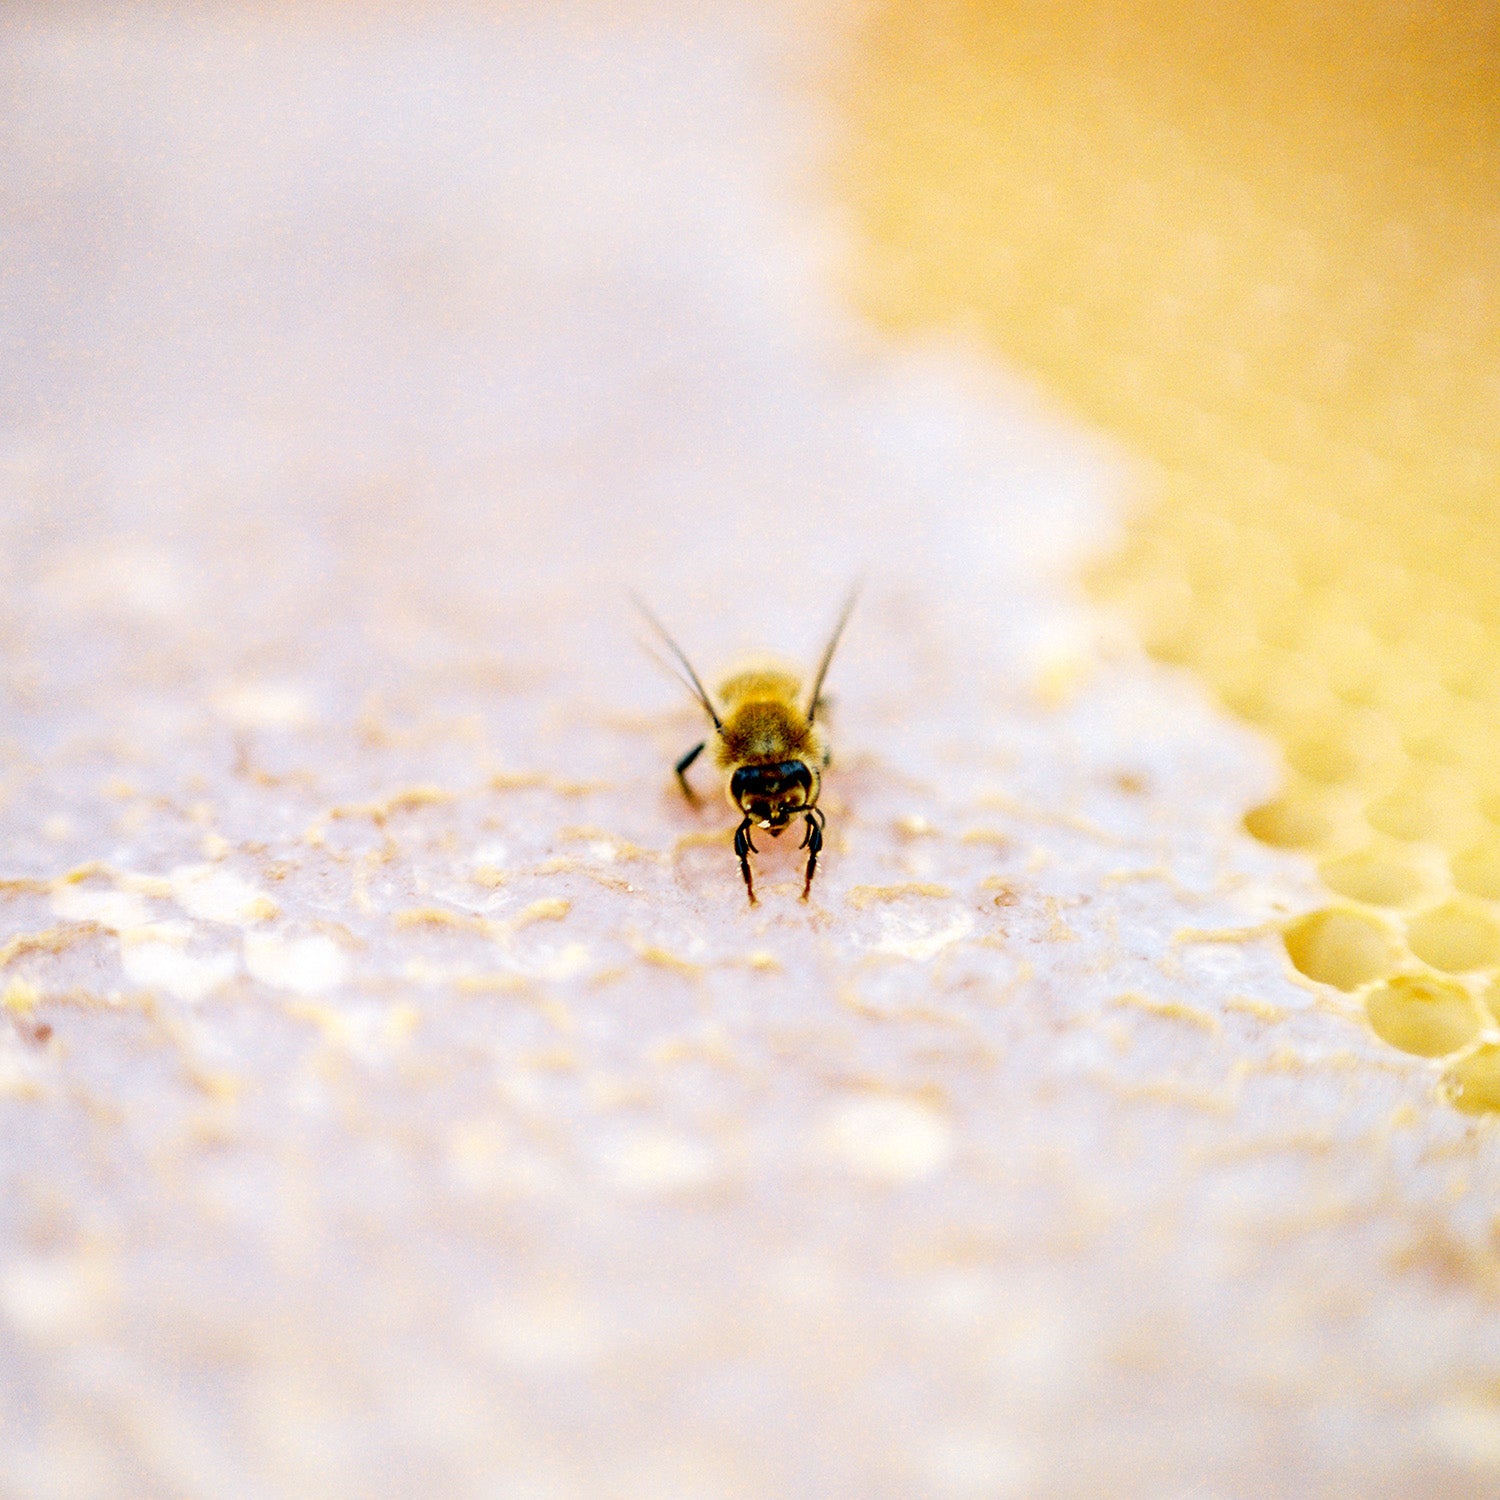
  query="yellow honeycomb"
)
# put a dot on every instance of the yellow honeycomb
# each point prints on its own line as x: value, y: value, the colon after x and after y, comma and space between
x: 1261, y: 243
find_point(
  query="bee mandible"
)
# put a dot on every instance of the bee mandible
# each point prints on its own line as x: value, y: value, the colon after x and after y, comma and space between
x: 769, y: 745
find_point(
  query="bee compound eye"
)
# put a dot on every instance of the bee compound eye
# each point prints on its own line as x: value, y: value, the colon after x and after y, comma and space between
x: 760, y: 782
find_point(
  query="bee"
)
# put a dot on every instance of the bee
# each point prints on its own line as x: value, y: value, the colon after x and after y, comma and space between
x: 769, y: 745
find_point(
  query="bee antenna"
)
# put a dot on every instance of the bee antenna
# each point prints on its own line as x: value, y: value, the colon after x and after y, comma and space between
x: 690, y: 680
x: 828, y: 650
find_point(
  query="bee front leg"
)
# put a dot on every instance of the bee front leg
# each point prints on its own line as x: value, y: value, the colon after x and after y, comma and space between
x: 744, y: 848
x: 682, y: 766
x: 812, y: 841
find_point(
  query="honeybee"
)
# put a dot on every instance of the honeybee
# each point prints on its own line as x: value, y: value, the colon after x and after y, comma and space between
x: 769, y: 745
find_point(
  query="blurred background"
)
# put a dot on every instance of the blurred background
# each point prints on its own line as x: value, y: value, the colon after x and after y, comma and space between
x: 1261, y: 246
x: 399, y: 1096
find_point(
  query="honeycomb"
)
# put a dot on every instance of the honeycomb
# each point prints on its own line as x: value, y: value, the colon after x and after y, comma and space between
x: 1259, y: 244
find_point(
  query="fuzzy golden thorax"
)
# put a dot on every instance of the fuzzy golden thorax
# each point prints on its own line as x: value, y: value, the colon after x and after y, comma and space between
x: 764, y: 720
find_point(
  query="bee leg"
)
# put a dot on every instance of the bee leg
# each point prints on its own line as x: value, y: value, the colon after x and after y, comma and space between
x: 682, y: 766
x: 744, y: 848
x: 812, y: 841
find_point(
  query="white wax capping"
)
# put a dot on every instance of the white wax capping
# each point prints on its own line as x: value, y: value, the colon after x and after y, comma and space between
x: 219, y: 895
x: 908, y: 936
x: 52, y: 1298
x: 654, y: 1162
x: 159, y: 965
x: 265, y: 705
x: 890, y: 1140
x: 306, y: 966
x: 140, y: 580
x: 117, y: 910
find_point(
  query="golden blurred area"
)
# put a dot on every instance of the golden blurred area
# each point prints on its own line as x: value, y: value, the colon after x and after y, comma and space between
x: 1258, y: 243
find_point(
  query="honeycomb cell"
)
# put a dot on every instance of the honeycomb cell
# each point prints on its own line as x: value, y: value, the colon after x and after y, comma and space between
x: 1473, y: 1082
x: 1422, y: 807
x: 1324, y: 758
x: 1273, y: 689
x: 1292, y: 821
x: 1343, y: 948
x: 1430, y: 1017
x: 1457, y: 741
x: 1456, y: 937
x: 1490, y: 997
x: 1374, y: 877
x: 1477, y: 869
x: 1351, y: 666
x: 1169, y: 641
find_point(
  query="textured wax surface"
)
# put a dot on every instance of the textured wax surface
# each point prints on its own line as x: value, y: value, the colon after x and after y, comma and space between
x: 398, y: 1096
x: 1261, y: 245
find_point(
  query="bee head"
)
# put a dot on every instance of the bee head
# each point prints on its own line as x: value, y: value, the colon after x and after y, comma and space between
x: 771, y: 795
